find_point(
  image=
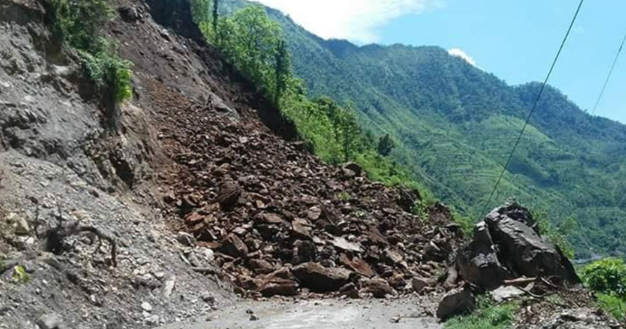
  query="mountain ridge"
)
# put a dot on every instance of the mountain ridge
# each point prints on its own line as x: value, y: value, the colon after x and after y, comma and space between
x: 456, y: 126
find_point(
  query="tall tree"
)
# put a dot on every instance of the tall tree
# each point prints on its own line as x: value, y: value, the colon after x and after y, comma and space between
x: 216, y: 4
x: 282, y: 69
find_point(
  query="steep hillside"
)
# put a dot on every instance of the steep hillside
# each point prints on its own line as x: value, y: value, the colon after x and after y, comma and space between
x: 457, y: 123
x: 93, y: 219
x: 67, y: 181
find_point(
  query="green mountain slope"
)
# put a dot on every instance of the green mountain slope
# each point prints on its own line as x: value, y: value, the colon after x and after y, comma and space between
x: 456, y: 125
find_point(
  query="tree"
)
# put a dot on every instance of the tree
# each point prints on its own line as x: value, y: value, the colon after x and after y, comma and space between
x: 250, y: 40
x: 216, y: 4
x: 282, y: 69
x: 200, y: 11
x: 385, y: 145
x: 346, y: 129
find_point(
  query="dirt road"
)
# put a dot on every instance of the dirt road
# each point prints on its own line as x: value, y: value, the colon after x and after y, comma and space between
x: 323, y: 314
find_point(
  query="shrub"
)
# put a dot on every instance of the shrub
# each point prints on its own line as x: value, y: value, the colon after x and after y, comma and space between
x: 20, y: 276
x: 607, y: 276
x: 79, y: 24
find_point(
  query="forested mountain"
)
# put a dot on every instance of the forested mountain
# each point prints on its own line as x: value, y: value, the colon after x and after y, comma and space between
x: 456, y: 124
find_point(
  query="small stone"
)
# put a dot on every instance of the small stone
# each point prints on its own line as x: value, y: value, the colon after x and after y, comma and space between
x: 379, y: 288
x: 186, y: 239
x: 209, y: 254
x: 129, y: 14
x: 253, y: 317
x: 50, y: 321
x: 146, y: 307
x: 159, y: 275
x: 419, y: 284
x: 249, y: 311
x: 456, y: 302
x: 272, y: 218
x: 153, y: 236
x: 169, y: 287
x: 20, y: 224
x: 152, y: 320
x: 314, y: 213
x: 209, y: 299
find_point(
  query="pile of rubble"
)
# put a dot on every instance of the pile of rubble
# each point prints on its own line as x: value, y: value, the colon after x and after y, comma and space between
x: 509, y: 258
x: 281, y: 222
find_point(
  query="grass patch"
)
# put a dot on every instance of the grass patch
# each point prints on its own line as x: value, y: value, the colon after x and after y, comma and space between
x: 613, y: 305
x: 487, y: 316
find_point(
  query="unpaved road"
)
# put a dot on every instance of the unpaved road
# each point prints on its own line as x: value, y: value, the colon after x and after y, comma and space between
x: 321, y: 314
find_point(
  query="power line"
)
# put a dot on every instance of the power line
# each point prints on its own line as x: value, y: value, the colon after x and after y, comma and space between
x: 606, y: 82
x: 543, y: 87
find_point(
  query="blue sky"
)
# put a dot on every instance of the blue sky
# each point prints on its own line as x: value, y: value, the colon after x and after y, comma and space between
x: 517, y: 41
x: 514, y: 39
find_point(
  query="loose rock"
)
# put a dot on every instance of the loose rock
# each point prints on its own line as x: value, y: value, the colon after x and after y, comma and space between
x: 456, y: 302
x: 319, y: 278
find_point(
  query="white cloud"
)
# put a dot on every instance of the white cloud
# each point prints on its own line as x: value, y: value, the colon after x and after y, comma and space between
x: 355, y: 20
x: 457, y: 52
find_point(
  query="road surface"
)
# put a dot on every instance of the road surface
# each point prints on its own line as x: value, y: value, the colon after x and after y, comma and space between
x: 319, y: 314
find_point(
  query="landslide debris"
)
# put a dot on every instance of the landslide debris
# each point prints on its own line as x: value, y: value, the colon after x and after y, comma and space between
x: 269, y: 209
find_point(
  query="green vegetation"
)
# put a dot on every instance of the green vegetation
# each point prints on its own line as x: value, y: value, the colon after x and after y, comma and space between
x: 257, y: 47
x: 613, y: 305
x: 557, y: 234
x: 20, y: 276
x: 487, y: 316
x: 454, y: 126
x: 420, y: 208
x: 385, y: 145
x: 79, y: 25
x: 608, y: 278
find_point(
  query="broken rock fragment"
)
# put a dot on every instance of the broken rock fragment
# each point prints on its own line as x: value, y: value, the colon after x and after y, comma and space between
x: 379, y: 288
x: 229, y: 195
x: 319, y: 278
x: 233, y: 246
x: 456, y: 302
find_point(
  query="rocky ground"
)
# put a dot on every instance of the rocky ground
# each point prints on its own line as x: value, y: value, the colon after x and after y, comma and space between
x: 59, y: 169
x: 206, y: 193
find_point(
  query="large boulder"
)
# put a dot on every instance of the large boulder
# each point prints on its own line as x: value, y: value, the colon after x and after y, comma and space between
x: 506, y: 246
x: 527, y: 253
x: 478, y: 263
x: 319, y: 278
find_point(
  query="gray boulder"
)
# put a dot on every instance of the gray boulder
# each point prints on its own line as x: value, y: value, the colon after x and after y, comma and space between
x: 479, y: 264
x: 506, y: 246
x: 456, y: 302
x: 526, y: 252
